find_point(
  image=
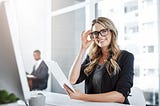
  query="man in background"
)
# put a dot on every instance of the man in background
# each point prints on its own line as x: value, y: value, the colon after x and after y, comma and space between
x: 40, y: 71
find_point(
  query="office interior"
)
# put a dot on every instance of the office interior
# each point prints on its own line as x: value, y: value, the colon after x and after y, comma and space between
x: 55, y: 27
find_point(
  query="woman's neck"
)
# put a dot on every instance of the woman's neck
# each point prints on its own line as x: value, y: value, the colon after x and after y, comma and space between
x: 104, y: 56
x: 104, y: 52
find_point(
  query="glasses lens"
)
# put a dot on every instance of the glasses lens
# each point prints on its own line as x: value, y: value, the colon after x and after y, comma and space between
x: 95, y: 34
x: 104, y: 32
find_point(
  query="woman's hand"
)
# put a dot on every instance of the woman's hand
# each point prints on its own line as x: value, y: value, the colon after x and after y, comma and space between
x: 85, y: 41
x: 74, y: 94
x: 77, y: 95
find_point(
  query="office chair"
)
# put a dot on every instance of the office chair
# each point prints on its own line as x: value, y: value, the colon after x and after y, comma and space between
x: 136, y: 97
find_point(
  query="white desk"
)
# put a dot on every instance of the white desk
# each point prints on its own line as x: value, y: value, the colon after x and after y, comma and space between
x: 56, y: 99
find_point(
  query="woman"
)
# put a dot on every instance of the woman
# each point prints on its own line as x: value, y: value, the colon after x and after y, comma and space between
x: 107, y: 70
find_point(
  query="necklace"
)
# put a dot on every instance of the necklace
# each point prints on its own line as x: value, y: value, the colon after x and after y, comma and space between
x: 103, y: 60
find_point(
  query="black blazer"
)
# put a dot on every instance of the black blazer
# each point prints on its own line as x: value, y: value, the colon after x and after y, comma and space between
x: 42, y: 77
x: 121, y: 82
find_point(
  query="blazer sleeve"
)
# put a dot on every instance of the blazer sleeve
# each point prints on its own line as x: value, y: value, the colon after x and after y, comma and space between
x: 82, y: 75
x: 125, y: 81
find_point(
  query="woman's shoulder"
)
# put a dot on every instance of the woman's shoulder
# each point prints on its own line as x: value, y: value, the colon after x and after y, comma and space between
x: 125, y: 54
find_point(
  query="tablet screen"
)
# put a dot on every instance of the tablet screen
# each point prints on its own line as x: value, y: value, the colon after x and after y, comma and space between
x: 60, y: 77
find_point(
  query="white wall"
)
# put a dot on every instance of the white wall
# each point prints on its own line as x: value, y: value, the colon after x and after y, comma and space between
x: 33, y: 29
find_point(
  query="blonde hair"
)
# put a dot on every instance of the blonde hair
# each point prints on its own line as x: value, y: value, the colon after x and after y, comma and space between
x: 95, y: 51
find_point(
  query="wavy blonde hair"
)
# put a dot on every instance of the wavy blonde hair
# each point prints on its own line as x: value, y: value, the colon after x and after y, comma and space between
x: 95, y: 51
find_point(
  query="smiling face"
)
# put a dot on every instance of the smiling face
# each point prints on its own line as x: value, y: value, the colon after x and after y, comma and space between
x: 103, y: 38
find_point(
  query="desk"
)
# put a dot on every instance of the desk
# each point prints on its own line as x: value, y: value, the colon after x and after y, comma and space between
x: 56, y: 99
x: 30, y: 79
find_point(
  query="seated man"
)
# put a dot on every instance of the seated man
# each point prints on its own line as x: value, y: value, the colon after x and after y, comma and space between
x: 40, y: 71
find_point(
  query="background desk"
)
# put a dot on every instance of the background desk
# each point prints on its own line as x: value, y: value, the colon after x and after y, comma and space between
x: 56, y: 99
x: 30, y: 79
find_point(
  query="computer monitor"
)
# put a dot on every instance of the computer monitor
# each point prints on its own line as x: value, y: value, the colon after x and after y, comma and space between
x: 12, y: 72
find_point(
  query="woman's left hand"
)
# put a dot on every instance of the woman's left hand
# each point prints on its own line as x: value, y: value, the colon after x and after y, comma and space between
x: 74, y: 94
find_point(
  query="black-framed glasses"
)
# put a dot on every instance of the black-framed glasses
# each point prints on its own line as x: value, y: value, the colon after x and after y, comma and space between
x: 102, y: 32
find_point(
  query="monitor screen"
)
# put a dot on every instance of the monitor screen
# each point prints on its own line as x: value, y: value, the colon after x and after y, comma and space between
x: 12, y: 72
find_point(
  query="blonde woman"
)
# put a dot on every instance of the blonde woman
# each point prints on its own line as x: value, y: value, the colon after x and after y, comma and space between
x: 107, y: 70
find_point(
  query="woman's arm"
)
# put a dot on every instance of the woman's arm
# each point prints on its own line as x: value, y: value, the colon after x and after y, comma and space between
x: 112, y: 96
x: 75, y: 70
x: 126, y: 74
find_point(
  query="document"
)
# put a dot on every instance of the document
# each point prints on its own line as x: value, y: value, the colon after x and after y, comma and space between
x: 60, y: 77
x: 31, y: 76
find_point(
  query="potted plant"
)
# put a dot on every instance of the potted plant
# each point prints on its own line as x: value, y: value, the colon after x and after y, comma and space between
x: 6, y: 97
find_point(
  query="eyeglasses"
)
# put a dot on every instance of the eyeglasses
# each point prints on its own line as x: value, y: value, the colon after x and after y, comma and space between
x: 102, y: 32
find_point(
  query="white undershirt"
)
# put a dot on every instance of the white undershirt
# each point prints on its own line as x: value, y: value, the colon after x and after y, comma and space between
x: 38, y: 63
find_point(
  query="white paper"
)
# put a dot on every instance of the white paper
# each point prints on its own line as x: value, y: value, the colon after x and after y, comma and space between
x: 60, y: 77
x: 30, y: 76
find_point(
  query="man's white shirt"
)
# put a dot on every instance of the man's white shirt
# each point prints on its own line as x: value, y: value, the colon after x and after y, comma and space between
x: 37, y: 64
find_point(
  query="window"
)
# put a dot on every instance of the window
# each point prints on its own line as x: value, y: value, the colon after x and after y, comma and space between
x: 130, y: 6
x: 138, y: 35
x: 131, y: 28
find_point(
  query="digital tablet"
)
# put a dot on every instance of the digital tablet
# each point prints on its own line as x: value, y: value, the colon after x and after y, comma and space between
x: 60, y: 77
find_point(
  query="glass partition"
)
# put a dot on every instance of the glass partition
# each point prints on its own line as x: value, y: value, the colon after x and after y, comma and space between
x: 66, y: 34
x: 59, y: 4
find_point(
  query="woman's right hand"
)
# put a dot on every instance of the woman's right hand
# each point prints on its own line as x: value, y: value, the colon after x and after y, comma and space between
x: 85, y: 42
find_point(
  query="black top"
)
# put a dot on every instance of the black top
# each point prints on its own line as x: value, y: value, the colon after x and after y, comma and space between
x: 121, y: 82
x: 97, y: 78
